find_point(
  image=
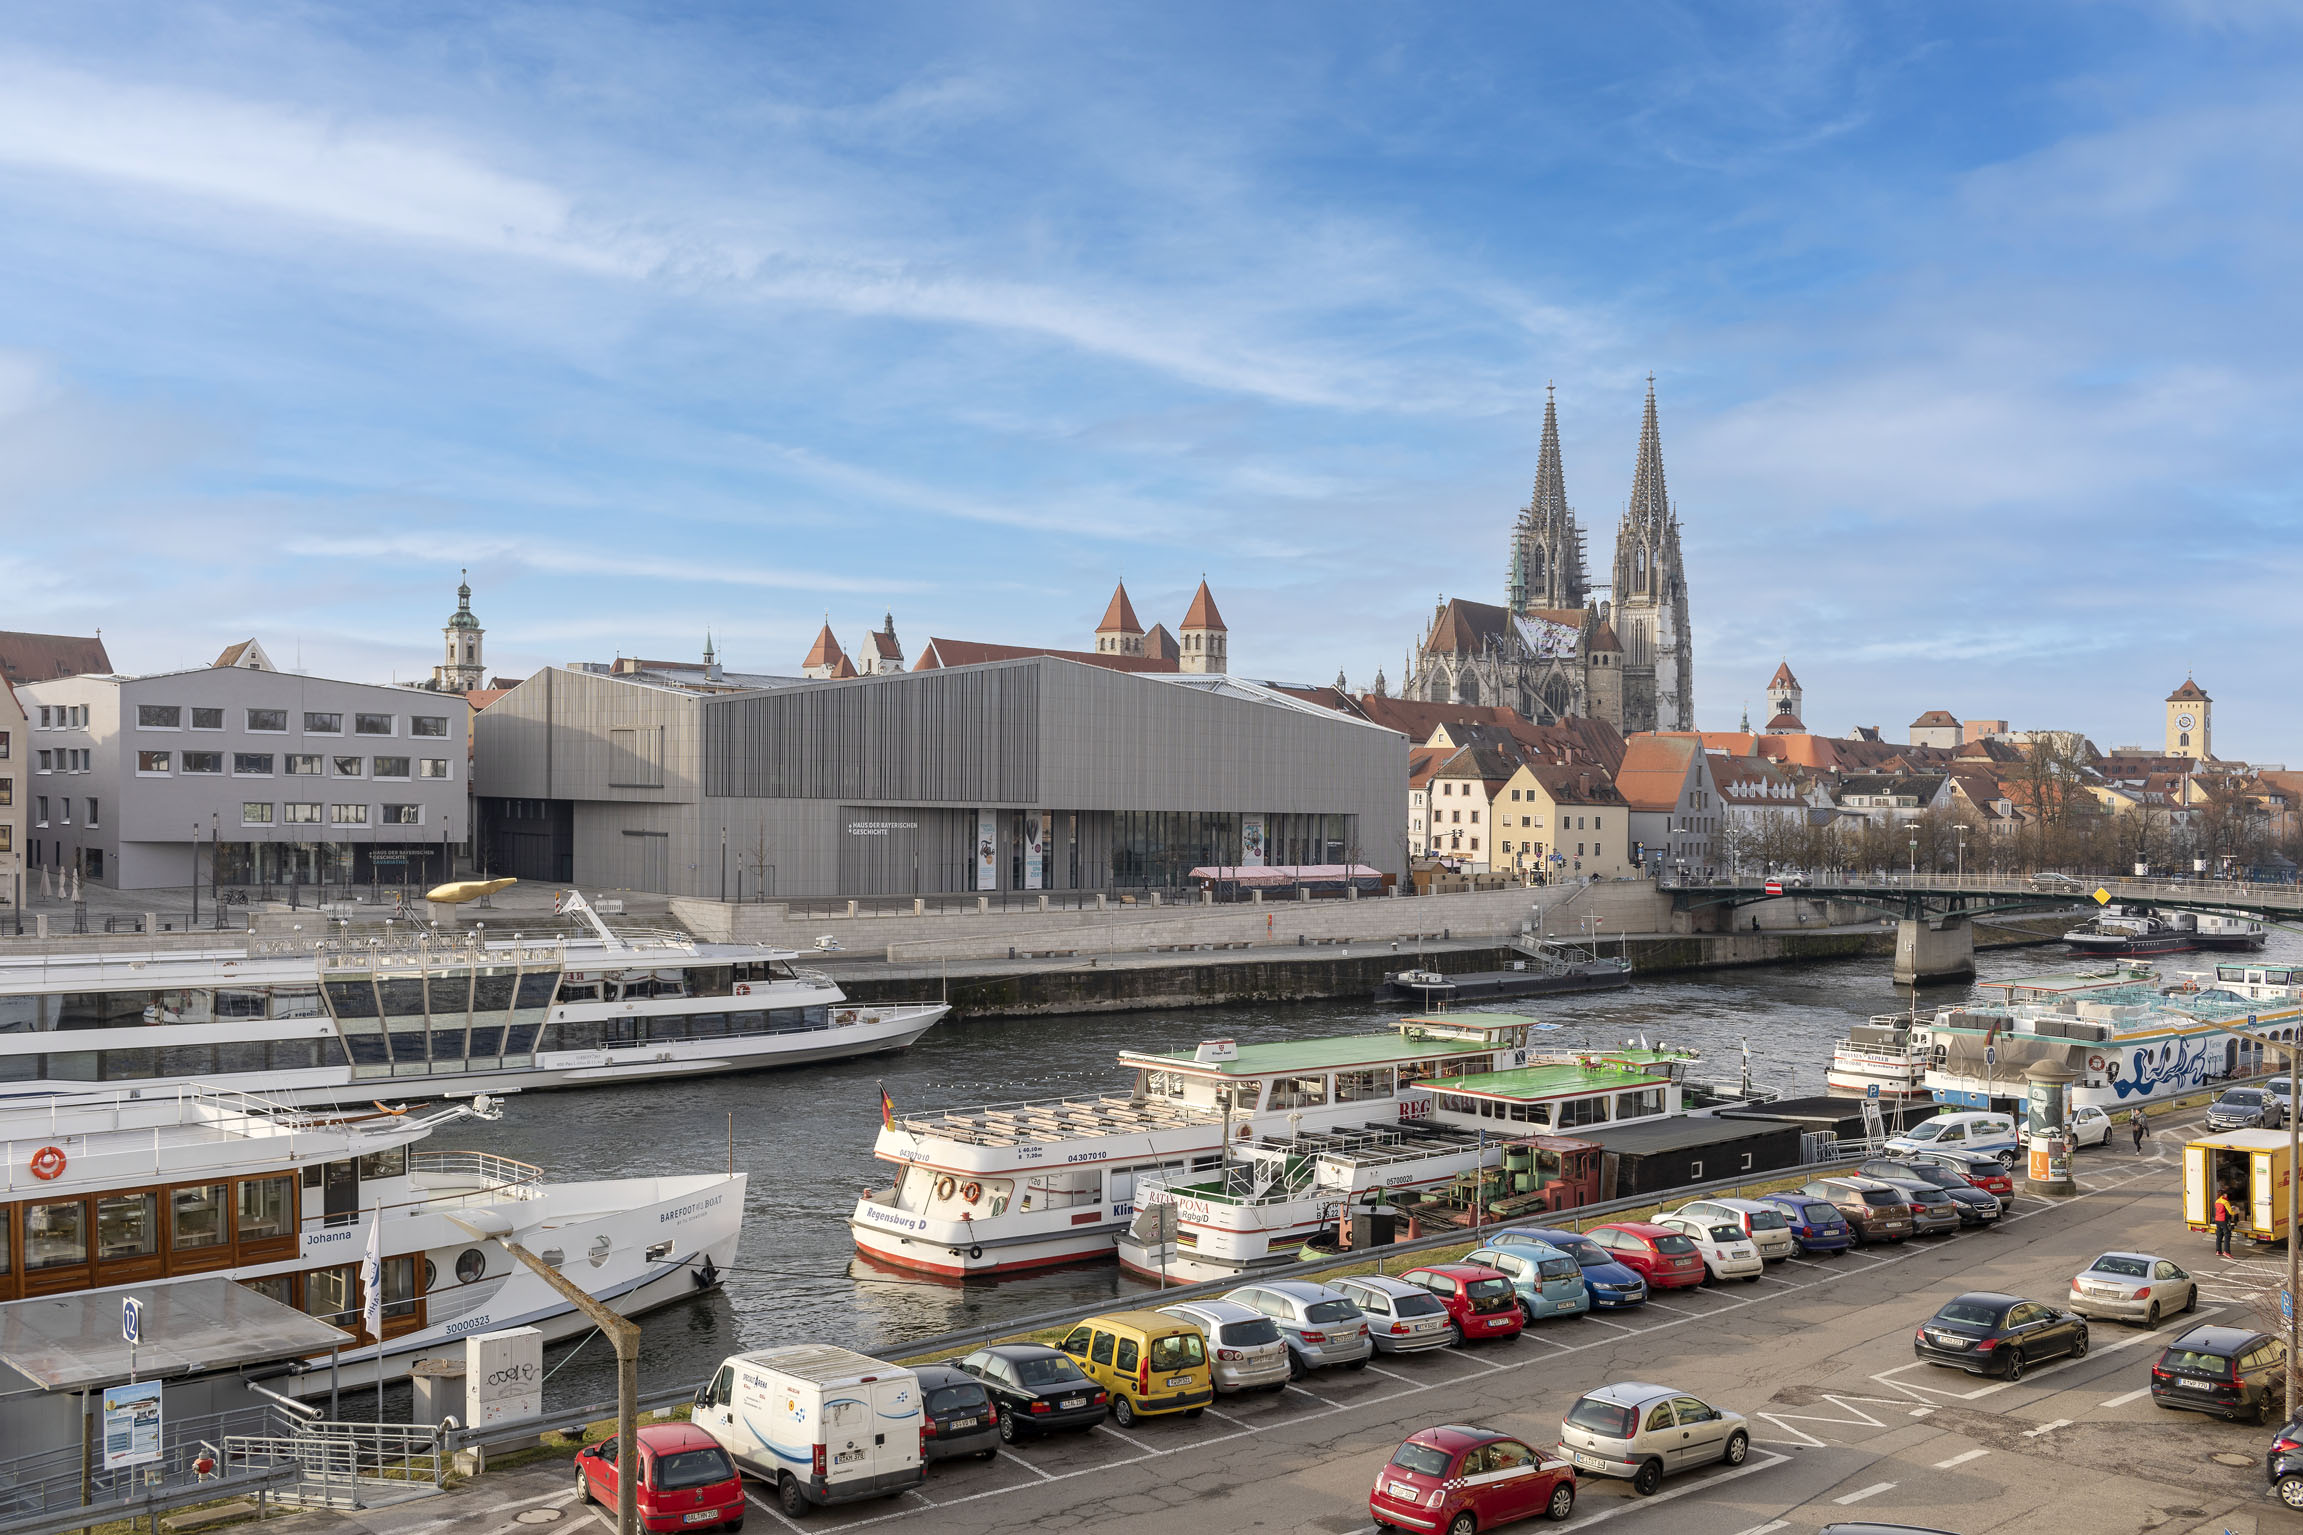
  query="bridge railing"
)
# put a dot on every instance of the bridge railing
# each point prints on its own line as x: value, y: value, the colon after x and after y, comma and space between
x: 2171, y: 892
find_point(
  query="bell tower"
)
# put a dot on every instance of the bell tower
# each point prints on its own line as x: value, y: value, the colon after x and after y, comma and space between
x: 2190, y: 722
x: 462, y: 670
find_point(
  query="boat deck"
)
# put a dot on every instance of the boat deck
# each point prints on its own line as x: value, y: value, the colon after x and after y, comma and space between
x: 1371, y: 1146
x: 1057, y: 1120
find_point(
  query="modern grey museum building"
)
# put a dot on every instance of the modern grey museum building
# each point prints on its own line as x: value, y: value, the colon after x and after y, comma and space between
x: 1036, y: 773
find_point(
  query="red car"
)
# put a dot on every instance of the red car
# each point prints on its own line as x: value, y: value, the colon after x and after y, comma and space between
x: 1979, y: 1169
x: 1480, y: 1301
x: 1658, y: 1254
x: 1459, y: 1480
x: 686, y: 1482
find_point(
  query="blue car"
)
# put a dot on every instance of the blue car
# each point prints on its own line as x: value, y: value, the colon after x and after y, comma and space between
x: 1816, y: 1225
x: 1612, y: 1285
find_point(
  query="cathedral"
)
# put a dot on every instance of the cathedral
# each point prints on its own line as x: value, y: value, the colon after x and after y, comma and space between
x: 1551, y: 650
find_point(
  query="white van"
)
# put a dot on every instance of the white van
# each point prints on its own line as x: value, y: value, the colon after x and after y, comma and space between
x: 823, y: 1424
x: 1992, y: 1134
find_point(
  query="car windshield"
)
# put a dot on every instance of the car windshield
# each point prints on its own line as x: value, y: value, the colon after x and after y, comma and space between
x: 1421, y: 1457
x: 2244, y: 1097
x: 1925, y: 1132
x: 1559, y: 1268
x: 1768, y: 1220
x: 955, y: 1398
x: 1243, y: 1334
x: 1929, y: 1195
x: 2125, y: 1268
x: 1727, y: 1233
x: 1331, y: 1311
x: 1675, y: 1243
x: 1608, y: 1420
x: 693, y: 1468
x: 1974, y: 1313
x: 1822, y: 1215
x: 1583, y: 1250
x: 1417, y: 1305
x: 1047, y: 1370
x: 1178, y: 1351
x: 1483, y: 1289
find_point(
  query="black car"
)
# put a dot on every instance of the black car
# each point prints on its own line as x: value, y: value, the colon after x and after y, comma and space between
x: 957, y: 1413
x: 2231, y: 1372
x: 1037, y: 1389
x: 1988, y: 1334
x: 2285, y: 1465
x: 1976, y: 1207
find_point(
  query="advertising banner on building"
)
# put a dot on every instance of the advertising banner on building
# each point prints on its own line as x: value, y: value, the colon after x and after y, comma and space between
x: 1251, y: 841
x: 1035, y: 849
x: 131, y: 1425
x: 987, y: 850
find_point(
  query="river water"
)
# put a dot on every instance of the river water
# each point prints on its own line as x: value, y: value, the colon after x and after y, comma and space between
x: 805, y: 1136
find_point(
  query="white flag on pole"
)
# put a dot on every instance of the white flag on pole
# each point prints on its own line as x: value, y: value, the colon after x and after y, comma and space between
x: 372, y: 1281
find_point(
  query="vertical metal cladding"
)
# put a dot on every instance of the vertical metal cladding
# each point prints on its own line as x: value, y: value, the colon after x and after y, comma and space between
x: 956, y: 737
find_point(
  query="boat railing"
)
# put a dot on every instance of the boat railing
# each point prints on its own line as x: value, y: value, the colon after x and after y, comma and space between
x: 473, y: 1169
x: 1100, y: 1115
x: 815, y: 978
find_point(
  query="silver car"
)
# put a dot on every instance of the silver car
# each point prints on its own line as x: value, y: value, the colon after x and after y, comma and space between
x: 2132, y: 1287
x: 2246, y: 1108
x: 1641, y: 1431
x: 1762, y: 1222
x: 1402, y: 1318
x: 1244, y: 1349
x: 1321, y: 1327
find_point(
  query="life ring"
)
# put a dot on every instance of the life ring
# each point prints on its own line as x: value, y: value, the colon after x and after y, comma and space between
x: 971, y: 1192
x: 2095, y: 1063
x: 48, y: 1163
x: 944, y: 1187
x: 976, y: 1251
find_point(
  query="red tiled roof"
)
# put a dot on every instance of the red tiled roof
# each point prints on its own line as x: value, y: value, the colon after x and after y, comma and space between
x: 1655, y: 769
x: 1783, y: 677
x: 480, y: 698
x: 1202, y: 613
x: 2190, y: 691
x: 1120, y: 617
x: 1935, y: 719
x: 1788, y: 724
x: 825, y: 650
x: 1574, y: 784
x: 1603, y: 637
x: 885, y: 646
x: 40, y: 657
x: 942, y: 652
x: 1159, y: 645
x: 842, y: 669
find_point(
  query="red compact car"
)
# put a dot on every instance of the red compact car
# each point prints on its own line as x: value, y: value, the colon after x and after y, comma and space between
x: 686, y: 1481
x: 1480, y: 1301
x: 1458, y: 1480
x: 1658, y: 1254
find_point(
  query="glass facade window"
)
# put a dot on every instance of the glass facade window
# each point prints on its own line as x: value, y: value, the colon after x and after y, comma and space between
x: 268, y: 719
x: 372, y: 724
x: 403, y: 815
x: 252, y: 764
x: 56, y: 1235
x: 348, y: 815
x: 267, y: 1207
x: 391, y: 767
x: 153, y: 762
x: 349, y: 767
x: 323, y: 724
x: 207, y: 719
x: 1298, y: 1092
x: 432, y: 767
x: 298, y: 810
x: 304, y: 764
x: 428, y: 725
x: 279, y: 1287
x: 127, y: 1226
x: 159, y: 717
x: 330, y: 1294
x: 203, y: 762
x: 255, y: 812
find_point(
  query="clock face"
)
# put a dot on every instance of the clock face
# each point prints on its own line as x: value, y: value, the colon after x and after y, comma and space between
x: 2184, y: 722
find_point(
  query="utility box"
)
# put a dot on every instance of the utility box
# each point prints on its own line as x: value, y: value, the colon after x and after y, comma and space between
x: 2252, y: 1165
x: 439, y: 1389
x: 503, y: 1377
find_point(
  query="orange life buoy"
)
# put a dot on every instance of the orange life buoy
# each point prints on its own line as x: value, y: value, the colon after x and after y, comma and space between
x: 2095, y: 1063
x: 48, y: 1163
x: 944, y: 1187
x: 972, y: 1192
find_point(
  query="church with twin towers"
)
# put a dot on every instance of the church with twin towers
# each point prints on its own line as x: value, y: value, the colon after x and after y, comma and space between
x: 1555, y: 649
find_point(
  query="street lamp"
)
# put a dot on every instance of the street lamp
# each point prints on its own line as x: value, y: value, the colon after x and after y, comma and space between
x: 1962, y: 852
x: 1915, y: 855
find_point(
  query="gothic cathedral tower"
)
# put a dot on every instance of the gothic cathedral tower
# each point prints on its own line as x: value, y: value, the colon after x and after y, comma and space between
x: 1547, y: 545
x: 1650, y: 615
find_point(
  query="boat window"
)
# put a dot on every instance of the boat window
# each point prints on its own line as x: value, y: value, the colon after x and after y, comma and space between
x: 1058, y: 1189
x: 385, y: 1164
x: 747, y: 1023
x: 1582, y: 1111
x: 403, y: 996
x: 240, y: 1004
x: 665, y: 1030
x: 1455, y: 1103
x: 449, y: 995
x: 187, y: 1060
x: 711, y: 980
x: 1161, y: 1084
x: 127, y: 1226
x: 537, y: 986
x: 19, y: 1015
x: 55, y: 1235
x: 132, y: 1065
x: 198, y: 1217
x: 354, y: 998
x: 296, y: 1002
x: 267, y: 1207
x: 7, y: 1224
x: 1467, y: 1066
x: 1243, y: 1095
x: 1639, y: 1104
x: 1353, y: 1086
x: 707, y: 1025
x: 1298, y: 1092
x: 580, y: 991
x: 328, y: 1293
x: 491, y: 991
x: 185, y: 1006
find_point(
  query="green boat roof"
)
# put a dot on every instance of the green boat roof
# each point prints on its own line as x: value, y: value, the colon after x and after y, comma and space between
x: 1344, y: 1051
x: 1555, y: 1079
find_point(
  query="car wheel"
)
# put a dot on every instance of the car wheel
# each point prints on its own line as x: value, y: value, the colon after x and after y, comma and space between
x: 987, y: 1454
x: 2079, y: 1344
x: 1562, y: 1501
x: 1463, y: 1524
x: 2014, y: 1365
x: 1193, y: 1412
x: 1123, y: 1412
x: 2290, y: 1490
x: 1648, y: 1478
x: 583, y: 1488
x: 1710, y: 1275
x: 2007, y: 1161
x: 734, y: 1526
x: 788, y: 1493
x: 2151, y: 1316
x: 1751, y: 1279
x: 1357, y: 1364
x: 1454, y: 1336
x: 1008, y: 1429
x: 1296, y: 1368
x: 2191, y: 1299
x: 1527, y: 1313
x: 1738, y: 1448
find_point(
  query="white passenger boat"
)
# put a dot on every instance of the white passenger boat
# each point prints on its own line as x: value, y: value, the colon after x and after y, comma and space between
x: 145, y: 1187
x: 329, y: 1020
x: 1878, y: 1054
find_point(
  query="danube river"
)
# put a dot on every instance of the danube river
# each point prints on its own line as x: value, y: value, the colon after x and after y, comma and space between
x: 805, y: 1136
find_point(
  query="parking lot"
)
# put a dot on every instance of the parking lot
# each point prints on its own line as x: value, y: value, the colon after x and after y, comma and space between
x: 1817, y: 1354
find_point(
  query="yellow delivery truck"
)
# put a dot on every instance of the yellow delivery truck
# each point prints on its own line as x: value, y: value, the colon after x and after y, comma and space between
x: 2249, y: 1165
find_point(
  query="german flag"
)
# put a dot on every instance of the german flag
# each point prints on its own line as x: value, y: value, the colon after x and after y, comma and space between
x: 887, y: 1109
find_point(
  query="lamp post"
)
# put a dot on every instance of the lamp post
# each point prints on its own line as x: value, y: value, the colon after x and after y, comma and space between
x: 1962, y: 865
x: 1915, y: 855
x: 195, y: 873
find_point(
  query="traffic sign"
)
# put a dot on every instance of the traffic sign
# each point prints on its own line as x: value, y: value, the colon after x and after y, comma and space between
x: 2287, y: 1306
x: 1990, y: 1055
x: 2250, y: 1020
x: 1871, y: 1090
x: 2102, y: 896
x: 1775, y: 887
x: 131, y: 1318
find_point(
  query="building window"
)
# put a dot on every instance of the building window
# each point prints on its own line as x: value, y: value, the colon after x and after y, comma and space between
x: 372, y: 724
x: 300, y: 811
x: 203, y: 762
x: 66, y: 803
x: 46, y: 762
x: 158, y: 717
x: 403, y: 815
x: 349, y: 767
x: 304, y: 764
x: 7, y: 791
x: 348, y: 815
x: 44, y: 717
x: 40, y: 809
x: 323, y: 724
x: 207, y: 719
x: 153, y: 764
x: 252, y: 764
x: 256, y: 813
x: 1475, y: 844
x: 270, y: 720
x: 391, y: 767
x: 1475, y: 818
x: 7, y: 838
x: 432, y: 767
x: 1598, y: 822
x: 3, y: 746
x: 428, y: 725
x: 95, y: 818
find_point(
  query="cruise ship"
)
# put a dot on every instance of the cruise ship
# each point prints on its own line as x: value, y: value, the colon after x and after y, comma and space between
x: 141, y: 1187
x: 334, y: 1020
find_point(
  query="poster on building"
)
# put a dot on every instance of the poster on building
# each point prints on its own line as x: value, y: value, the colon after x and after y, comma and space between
x: 1035, y: 849
x: 987, y: 850
x: 1251, y: 841
x: 131, y: 1425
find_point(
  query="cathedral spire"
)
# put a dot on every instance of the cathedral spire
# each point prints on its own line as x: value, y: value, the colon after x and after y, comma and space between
x: 1547, y: 545
x: 1649, y: 500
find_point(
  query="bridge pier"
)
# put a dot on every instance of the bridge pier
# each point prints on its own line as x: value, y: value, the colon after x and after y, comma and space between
x: 1928, y: 950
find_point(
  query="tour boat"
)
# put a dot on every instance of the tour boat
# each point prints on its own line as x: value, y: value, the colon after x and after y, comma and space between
x: 153, y: 1185
x: 1878, y: 1054
x: 2228, y: 931
x: 1008, y: 1187
x: 2117, y: 931
x: 333, y: 1019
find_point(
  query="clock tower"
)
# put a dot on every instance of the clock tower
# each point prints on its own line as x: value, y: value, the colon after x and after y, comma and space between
x: 2190, y: 722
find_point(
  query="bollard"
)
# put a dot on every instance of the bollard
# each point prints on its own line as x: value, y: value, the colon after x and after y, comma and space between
x: 851, y: 908
x: 983, y: 905
x: 919, y: 905
x: 1155, y: 898
x: 1103, y: 903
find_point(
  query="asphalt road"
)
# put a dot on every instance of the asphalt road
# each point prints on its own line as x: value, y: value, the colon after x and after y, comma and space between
x: 1817, y: 1354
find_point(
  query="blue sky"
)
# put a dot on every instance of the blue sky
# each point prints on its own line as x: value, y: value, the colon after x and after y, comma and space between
x: 1974, y: 330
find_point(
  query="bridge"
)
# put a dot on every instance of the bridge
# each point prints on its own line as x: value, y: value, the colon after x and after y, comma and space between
x: 1934, y: 938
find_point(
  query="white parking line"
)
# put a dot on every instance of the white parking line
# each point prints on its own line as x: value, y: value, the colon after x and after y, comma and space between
x: 1860, y: 1493
x: 1009, y: 1451
x: 2125, y: 1397
x: 2049, y: 1427
x: 1299, y: 1391
x: 1106, y: 1428
x: 1765, y: 1529
x: 1961, y: 1459
x: 770, y: 1510
x: 1626, y: 1506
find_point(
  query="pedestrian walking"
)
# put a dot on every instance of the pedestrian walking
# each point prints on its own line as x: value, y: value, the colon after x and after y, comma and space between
x: 2225, y: 1214
x: 2142, y: 1130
